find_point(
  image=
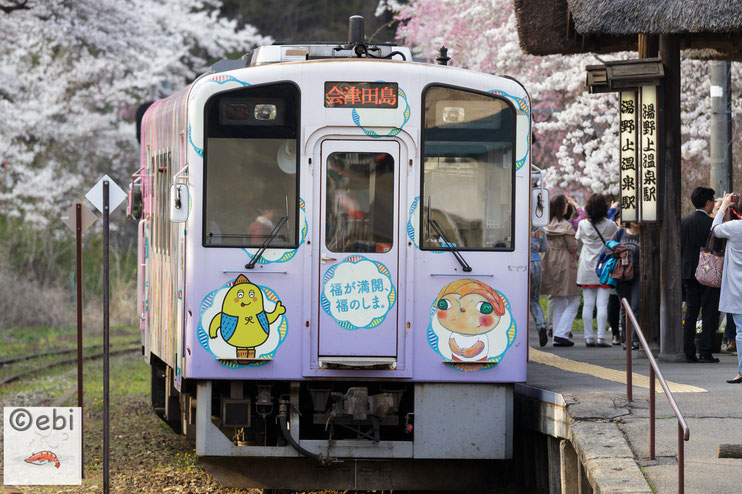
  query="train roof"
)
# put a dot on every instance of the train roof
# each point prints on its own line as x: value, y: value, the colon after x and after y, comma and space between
x: 297, y: 52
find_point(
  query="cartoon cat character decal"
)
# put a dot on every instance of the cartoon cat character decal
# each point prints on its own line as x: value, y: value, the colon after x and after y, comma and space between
x: 243, y: 322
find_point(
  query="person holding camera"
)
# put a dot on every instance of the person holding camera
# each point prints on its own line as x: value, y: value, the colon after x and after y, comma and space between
x: 731, y: 277
x: 694, y: 233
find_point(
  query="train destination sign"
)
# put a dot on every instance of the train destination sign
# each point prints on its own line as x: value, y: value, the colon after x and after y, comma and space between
x: 361, y: 95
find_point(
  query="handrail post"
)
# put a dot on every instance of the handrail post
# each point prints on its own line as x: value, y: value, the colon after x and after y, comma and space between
x: 681, y: 459
x: 654, y: 374
x: 627, y: 341
x: 651, y: 413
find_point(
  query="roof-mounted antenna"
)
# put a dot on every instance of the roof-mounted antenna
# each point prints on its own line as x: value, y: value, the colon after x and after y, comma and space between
x: 356, y: 35
x: 357, y: 41
x: 443, y: 57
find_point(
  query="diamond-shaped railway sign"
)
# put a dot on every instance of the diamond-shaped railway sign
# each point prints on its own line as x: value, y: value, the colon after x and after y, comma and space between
x: 116, y: 194
x: 87, y: 217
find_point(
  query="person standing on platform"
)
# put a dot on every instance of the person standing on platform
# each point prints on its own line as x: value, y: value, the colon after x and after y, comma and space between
x: 629, y: 289
x: 539, y: 244
x: 594, y: 231
x: 730, y: 300
x: 614, y: 304
x: 560, y: 271
x: 694, y: 233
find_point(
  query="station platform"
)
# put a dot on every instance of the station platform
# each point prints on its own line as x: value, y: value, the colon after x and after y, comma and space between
x: 592, y: 384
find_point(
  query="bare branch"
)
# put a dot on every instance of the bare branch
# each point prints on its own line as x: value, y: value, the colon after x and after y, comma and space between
x: 9, y: 6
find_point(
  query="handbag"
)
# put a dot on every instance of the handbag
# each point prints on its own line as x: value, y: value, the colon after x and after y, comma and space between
x: 710, y: 264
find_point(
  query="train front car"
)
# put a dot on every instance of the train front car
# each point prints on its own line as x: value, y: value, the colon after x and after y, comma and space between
x: 344, y: 280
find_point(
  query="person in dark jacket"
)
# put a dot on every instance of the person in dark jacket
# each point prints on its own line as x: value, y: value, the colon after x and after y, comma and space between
x: 694, y: 233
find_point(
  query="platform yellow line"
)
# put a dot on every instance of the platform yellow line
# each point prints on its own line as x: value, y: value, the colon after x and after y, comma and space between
x: 541, y: 357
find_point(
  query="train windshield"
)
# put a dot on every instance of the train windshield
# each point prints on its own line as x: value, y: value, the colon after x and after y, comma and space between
x: 250, y: 163
x: 468, y: 175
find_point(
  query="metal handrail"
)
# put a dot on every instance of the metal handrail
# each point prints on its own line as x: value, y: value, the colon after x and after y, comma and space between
x: 683, y: 429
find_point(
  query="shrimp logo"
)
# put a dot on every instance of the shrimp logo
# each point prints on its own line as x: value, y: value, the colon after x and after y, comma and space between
x: 471, y: 323
x: 43, y: 458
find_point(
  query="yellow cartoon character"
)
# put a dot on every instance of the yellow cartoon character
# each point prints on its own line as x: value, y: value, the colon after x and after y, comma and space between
x: 243, y: 322
x: 469, y: 309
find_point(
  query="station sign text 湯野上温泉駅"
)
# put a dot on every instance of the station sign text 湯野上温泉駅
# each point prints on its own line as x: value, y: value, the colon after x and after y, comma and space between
x: 361, y: 95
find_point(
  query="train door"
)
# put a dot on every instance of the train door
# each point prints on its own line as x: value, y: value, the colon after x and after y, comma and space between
x: 359, y: 251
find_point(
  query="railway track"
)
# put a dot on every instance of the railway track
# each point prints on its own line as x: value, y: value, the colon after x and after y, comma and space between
x: 131, y: 346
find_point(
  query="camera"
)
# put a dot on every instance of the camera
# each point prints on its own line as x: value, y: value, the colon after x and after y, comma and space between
x: 735, y: 197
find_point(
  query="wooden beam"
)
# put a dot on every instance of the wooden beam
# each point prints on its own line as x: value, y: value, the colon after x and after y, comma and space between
x: 671, y: 331
x: 729, y: 451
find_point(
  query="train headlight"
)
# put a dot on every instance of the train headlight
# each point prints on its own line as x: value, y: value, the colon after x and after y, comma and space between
x: 265, y: 111
x: 453, y: 114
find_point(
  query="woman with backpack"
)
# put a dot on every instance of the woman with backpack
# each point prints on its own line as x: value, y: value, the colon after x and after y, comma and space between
x: 560, y: 271
x: 593, y: 232
x: 629, y: 288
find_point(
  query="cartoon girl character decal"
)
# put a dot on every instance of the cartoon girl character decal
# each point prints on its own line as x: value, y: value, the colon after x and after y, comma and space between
x: 472, y: 322
x: 243, y: 322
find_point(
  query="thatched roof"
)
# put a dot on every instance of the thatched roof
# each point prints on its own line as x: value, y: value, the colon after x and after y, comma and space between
x: 601, y: 26
x: 617, y: 17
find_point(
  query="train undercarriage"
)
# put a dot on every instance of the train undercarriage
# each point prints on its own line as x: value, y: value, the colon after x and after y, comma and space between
x: 341, y: 434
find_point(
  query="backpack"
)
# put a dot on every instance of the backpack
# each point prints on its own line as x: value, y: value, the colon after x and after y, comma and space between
x: 606, y: 264
x: 624, y: 256
x: 606, y: 259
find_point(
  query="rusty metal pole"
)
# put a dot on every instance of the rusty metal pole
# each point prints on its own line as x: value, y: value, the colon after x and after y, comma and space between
x: 78, y: 274
x: 627, y: 326
x: 651, y: 413
x: 106, y: 347
x: 681, y: 460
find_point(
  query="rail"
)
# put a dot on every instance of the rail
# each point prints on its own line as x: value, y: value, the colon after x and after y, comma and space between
x: 683, y: 430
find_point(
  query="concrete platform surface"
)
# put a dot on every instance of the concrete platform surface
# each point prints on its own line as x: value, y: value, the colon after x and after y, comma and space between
x: 592, y: 382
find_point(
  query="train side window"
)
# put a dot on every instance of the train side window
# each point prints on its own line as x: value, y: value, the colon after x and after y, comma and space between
x: 468, y: 175
x: 251, y: 167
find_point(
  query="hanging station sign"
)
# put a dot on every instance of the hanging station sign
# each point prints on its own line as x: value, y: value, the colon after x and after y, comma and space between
x: 638, y: 82
x: 628, y: 177
x: 649, y: 155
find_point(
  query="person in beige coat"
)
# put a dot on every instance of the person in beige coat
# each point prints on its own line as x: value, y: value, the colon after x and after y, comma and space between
x: 560, y: 271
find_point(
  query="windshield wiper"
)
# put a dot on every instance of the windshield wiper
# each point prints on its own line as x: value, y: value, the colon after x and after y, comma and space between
x: 451, y: 246
x: 267, y: 242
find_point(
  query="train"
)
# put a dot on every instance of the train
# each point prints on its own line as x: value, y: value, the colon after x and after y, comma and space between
x: 333, y: 265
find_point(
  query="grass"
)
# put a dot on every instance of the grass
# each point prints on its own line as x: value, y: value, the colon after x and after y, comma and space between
x: 19, y: 341
x: 37, y: 276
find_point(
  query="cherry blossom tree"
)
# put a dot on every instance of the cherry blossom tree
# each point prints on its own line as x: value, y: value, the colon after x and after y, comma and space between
x: 73, y: 72
x: 575, y: 133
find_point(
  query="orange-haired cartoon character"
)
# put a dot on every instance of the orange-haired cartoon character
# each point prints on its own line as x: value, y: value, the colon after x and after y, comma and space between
x: 469, y: 309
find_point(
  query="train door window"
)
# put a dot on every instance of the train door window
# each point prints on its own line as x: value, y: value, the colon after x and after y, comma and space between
x: 468, y: 176
x: 251, y: 167
x: 360, y: 202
